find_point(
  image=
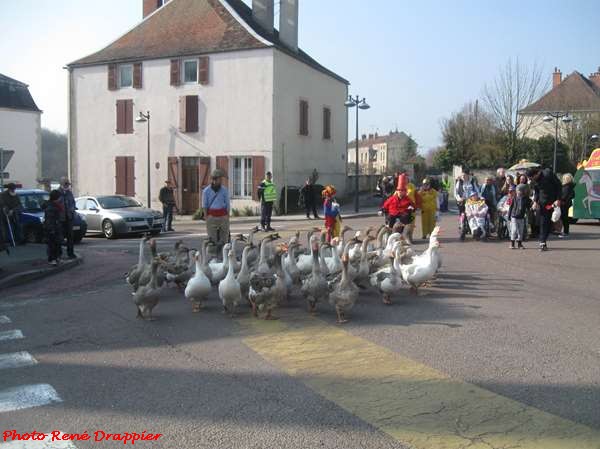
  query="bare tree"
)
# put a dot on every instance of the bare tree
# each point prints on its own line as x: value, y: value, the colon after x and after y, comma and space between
x: 515, y: 87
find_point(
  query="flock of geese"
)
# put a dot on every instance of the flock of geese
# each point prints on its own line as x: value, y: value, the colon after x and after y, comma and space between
x: 269, y: 273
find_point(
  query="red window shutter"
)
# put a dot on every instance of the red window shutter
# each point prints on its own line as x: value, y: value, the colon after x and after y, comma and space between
x: 120, y: 116
x: 182, y: 114
x: 173, y: 171
x: 129, y: 116
x: 112, y: 77
x: 203, y: 70
x: 258, y: 174
x: 120, y: 175
x: 223, y: 164
x: 175, y: 72
x: 137, y: 75
x: 130, y: 176
x: 191, y: 113
x: 204, y: 172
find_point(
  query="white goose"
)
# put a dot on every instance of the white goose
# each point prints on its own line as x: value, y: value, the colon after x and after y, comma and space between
x: 219, y: 269
x: 333, y: 263
x: 423, y: 268
x: 304, y: 261
x: 315, y: 287
x: 342, y: 241
x: 388, y: 280
x: 229, y: 288
x: 290, y: 266
x: 198, y: 287
x: 243, y: 276
x: 364, y: 267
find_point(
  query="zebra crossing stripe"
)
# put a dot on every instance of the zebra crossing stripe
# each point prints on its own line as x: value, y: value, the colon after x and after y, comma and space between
x: 16, y: 360
x: 27, y: 396
x: 4, y: 319
x: 14, y: 334
x: 47, y: 443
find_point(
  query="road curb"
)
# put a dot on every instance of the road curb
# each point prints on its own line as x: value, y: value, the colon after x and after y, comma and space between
x: 279, y: 218
x: 27, y: 276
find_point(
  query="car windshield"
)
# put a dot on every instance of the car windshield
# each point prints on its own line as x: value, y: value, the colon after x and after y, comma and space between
x: 32, y: 202
x: 117, y: 202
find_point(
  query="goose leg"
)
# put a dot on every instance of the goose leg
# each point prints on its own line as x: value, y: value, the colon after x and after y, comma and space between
x: 139, y: 314
x: 387, y: 300
x: 150, y: 317
x: 341, y: 319
x: 196, y: 306
x: 254, y: 310
x: 269, y: 316
x: 312, y: 308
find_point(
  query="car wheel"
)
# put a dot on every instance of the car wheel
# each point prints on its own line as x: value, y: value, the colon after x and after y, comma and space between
x: 108, y: 229
x: 33, y: 236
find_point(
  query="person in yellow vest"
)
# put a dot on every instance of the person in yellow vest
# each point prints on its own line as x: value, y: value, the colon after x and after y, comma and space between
x: 267, y: 193
x: 429, y: 207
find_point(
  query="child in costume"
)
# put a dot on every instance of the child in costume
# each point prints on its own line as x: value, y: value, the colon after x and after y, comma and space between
x: 331, y: 212
x: 429, y: 207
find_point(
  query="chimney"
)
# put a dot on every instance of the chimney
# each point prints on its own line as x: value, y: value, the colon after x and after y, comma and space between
x: 263, y: 12
x: 556, y: 77
x: 364, y: 137
x: 595, y: 78
x: 376, y: 135
x: 370, y: 136
x: 288, y: 24
x: 149, y: 6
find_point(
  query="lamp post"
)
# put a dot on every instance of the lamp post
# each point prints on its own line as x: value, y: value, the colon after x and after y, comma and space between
x: 351, y: 103
x: 588, y: 139
x: 142, y: 118
x: 564, y: 116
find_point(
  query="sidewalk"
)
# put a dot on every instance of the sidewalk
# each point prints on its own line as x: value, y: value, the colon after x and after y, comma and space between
x: 363, y: 213
x: 27, y: 263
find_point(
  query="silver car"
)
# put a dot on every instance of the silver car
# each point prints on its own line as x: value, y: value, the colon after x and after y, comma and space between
x: 114, y: 215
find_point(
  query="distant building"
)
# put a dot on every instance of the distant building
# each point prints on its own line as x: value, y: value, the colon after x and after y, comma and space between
x: 224, y: 90
x: 20, y: 133
x: 382, y: 154
x: 577, y: 95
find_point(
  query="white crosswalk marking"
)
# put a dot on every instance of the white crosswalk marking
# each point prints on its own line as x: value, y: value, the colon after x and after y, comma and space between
x: 47, y: 443
x: 16, y: 360
x: 11, y: 335
x: 27, y: 396
x: 4, y: 319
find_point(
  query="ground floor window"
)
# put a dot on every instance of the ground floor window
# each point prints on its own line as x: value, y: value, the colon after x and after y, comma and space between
x: 242, y: 177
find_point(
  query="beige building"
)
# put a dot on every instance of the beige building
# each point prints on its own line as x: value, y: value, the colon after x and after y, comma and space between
x: 379, y: 155
x: 576, y: 95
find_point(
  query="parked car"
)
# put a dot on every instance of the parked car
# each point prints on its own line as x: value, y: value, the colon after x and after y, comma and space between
x: 32, y: 216
x: 114, y: 215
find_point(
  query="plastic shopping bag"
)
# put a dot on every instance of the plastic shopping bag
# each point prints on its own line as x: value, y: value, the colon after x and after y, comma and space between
x: 556, y: 214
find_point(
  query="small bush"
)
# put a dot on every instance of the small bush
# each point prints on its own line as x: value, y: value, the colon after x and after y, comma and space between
x: 248, y: 211
x: 235, y: 212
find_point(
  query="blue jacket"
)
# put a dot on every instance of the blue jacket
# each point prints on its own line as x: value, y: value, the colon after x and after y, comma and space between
x: 69, y: 202
x: 488, y: 193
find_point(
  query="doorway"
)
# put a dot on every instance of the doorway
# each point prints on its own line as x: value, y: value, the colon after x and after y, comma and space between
x: 194, y: 177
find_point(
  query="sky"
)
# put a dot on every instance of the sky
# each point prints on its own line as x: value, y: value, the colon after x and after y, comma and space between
x: 416, y: 62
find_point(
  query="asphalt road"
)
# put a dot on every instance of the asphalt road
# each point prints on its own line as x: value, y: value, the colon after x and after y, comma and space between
x: 519, y: 325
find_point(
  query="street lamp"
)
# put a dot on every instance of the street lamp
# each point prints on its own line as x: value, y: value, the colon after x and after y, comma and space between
x: 588, y: 139
x: 143, y: 118
x: 564, y: 116
x: 350, y: 103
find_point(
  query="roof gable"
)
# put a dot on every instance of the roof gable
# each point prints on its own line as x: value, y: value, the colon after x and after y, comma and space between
x: 15, y: 95
x: 193, y: 27
x: 575, y: 93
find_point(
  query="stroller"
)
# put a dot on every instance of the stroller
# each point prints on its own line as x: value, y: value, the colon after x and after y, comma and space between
x: 474, y: 220
x: 503, y: 223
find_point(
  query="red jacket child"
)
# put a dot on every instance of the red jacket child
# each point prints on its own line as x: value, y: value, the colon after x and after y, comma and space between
x: 398, y: 204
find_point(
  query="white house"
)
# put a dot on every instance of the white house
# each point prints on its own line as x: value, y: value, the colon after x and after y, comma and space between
x: 223, y: 88
x: 381, y: 155
x: 20, y: 134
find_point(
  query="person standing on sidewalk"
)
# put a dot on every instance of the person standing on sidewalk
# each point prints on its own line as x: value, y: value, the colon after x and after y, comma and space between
x: 216, y: 205
x: 167, y: 197
x: 267, y: 193
x: 307, y: 197
x: 546, y: 195
x: 67, y: 215
x: 53, y: 210
x: 445, y: 185
x: 566, y: 201
x: 10, y: 209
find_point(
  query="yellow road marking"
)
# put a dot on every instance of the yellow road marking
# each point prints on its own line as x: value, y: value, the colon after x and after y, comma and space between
x: 407, y: 400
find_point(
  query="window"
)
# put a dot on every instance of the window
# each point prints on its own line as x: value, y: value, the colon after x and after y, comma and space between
x: 80, y: 204
x: 326, y: 124
x: 303, y: 118
x: 242, y: 177
x: 124, y: 116
x: 126, y: 75
x: 190, y: 71
x: 91, y: 204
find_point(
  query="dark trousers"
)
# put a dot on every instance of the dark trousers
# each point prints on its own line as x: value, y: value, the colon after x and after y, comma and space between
x: 311, y: 207
x: 564, y: 216
x: 67, y: 228
x: 167, y: 217
x: 266, y: 210
x: 545, y: 223
x: 53, y: 242
x: 444, y: 205
x: 404, y: 219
